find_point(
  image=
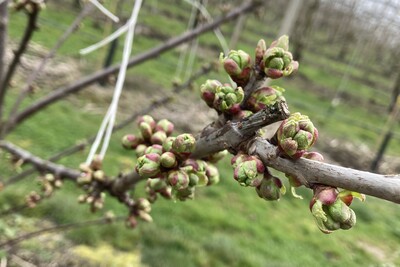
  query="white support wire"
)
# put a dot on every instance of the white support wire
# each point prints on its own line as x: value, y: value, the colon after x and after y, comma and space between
x: 104, y: 10
x: 109, y: 118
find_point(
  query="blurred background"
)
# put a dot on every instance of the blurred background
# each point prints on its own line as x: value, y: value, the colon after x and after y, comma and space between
x: 348, y: 83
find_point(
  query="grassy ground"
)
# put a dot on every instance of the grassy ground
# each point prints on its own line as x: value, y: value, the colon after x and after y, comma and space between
x: 226, y: 225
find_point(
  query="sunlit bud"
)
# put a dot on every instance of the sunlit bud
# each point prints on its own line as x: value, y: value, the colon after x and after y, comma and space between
x: 82, y: 198
x: 99, y: 175
x: 158, y: 137
x: 145, y: 216
x: 165, y: 126
x: 148, y: 166
x: 178, y: 179
x: 265, y: 97
x: 147, y: 119
x: 208, y: 91
x: 84, y: 178
x: 49, y: 177
x: 145, y: 130
x: 140, y: 150
x: 167, y: 145
x: 131, y: 141
x: 58, y: 183
x: 157, y: 149
x: 83, y: 167
x: 168, y: 160
x: 143, y: 204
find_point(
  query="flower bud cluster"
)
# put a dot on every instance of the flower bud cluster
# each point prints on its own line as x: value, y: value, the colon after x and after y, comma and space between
x: 295, y: 135
x: 265, y: 97
x: 276, y: 61
x: 151, y: 133
x: 222, y: 97
x: 49, y: 182
x: 331, y: 211
x: 91, y: 179
x: 238, y: 65
x: 248, y: 170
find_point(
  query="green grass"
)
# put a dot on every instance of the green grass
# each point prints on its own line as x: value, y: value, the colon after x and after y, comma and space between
x: 226, y: 225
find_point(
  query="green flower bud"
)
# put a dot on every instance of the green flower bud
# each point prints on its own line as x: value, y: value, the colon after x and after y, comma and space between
x: 184, y: 194
x: 158, y: 137
x: 184, y: 144
x: 249, y: 173
x: 295, y: 135
x: 156, y: 184
x: 265, y: 97
x: 148, y: 166
x: 147, y: 119
x: 214, y: 158
x: 212, y: 174
x: 168, y: 160
x: 270, y: 188
x: 238, y: 65
x: 146, y: 130
x: 228, y: 99
x: 165, y: 126
x: 154, y: 149
x: 130, y: 141
x: 167, y: 144
x: 178, y: 179
x: 208, y: 91
x: 140, y: 150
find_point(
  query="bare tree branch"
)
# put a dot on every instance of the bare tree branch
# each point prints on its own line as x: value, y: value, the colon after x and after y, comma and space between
x: 152, y: 53
x: 3, y: 35
x: 30, y: 28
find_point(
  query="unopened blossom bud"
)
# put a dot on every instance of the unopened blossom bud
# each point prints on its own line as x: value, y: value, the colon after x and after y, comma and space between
x: 96, y: 163
x: 238, y: 65
x: 49, y: 177
x: 147, y: 119
x: 158, y: 137
x: 212, y: 174
x: 168, y: 160
x: 184, y: 144
x: 296, y: 134
x: 265, y: 97
x: 143, y: 204
x: 270, y: 188
x: 260, y: 51
x: 214, y: 158
x: 145, y: 130
x: 145, y: 216
x: 157, y: 149
x: 140, y: 150
x: 58, y: 183
x: 178, y: 179
x: 167, y: 145
x: 156, y: 184
x: 228, y: 99
x: 184, y: 194
x: 277, y: 60
x: 131, y: 141
x: 84, y: 178
x: 208, y: 91
x: 250, y: 172
x: 313, y: 156
x: 82, y: 199
x: 99, y: 175
x: 148, y: 166
x: 83, y: 167
x: 165, y: 126
x: 242, y: 114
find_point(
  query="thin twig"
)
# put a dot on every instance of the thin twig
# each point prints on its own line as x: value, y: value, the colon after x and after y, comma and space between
x: 152, y: 53
x: 34, y: 74
x: 62, y: 227
x: 29, y: 29
x: 3, y: 35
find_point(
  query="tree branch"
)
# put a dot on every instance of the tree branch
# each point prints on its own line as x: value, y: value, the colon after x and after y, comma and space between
x: 3, y: 35
x: 313, y: 172
x: 30, y: 28
x: 152, y: 53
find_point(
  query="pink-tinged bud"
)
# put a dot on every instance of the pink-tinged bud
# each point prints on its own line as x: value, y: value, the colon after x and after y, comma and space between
x: 212, y: 174
x: 249, y: 173
x: 347, y: 196
x: 147, y: 119
x: 167, y: 145
x: 140, y: 150
x: 295, y: 135
x: 148, y: 166
x: 166, y: 126
x: 313, y: 156
x: 242, y: 114
x: 270, y: 188
x: 227, y: 97
x: 184, y: 144
x: 157, y: 149
x: 178, y: 179
x: 131, y: 141
x: 326, y: 194
x: 238, y: 65
x: 260, y: 51
x: 239, y: 158
x: 168, y: 160
x: 158, y: 137
x: 208, y: 90
x: 265, y: 97
x: 145, y: 130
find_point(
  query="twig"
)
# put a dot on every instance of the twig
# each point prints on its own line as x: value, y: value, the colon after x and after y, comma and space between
x: 62, y: 227
x: 30, y: 28
x: 152, y: 53
x: 79, y: 147
x: 3, y: 35
x: 34, y: 74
